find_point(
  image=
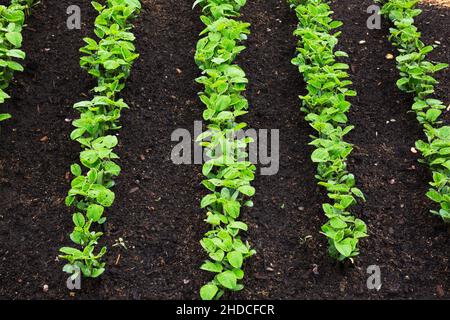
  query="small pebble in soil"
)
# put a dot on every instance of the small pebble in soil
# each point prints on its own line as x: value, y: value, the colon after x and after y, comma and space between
x: 186, y: 281
x: 440, y: 291
x: 392, y: 181
x: 44, y: 139
x: 343, y: 286
x: 270, y: 269
x: 315, y: 269
x: 362, y: 41
x: 133, y: 190
x: 45, y: 288
x: 389, y: 56
x: 413, y: 150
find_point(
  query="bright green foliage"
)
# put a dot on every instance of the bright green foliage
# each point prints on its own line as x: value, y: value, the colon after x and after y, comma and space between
x: 326, y: 106
x: 417, y: 77
x: 109, y: 60
x: 228, y: 177
x: 12, y: 19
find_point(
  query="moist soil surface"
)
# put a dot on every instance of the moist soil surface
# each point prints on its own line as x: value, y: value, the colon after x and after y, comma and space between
x: 157, y: 212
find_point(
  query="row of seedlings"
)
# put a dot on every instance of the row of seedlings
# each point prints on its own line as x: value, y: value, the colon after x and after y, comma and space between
x: 228, y: 174
x: 326, y: 107
x: 416, y: 77
x: 109, y: 60
x: 12, y: 19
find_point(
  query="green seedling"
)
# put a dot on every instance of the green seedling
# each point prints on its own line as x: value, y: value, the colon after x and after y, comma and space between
x: 109, y: 60
x: 12, y: 19
x: 416, y: 77
x: 227, y: 178
x: 326, y: 107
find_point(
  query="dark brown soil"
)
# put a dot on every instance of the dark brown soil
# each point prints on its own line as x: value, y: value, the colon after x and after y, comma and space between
x: 157, y: 208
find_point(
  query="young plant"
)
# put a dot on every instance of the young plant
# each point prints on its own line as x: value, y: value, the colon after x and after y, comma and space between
x: 228, y: 177
x: 12, y: 19
x: 416, y: 77
x: 109, y: 60
x: 325, y: 105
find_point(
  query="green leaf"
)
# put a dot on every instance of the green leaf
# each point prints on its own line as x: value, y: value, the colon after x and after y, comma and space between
x: 71, y: 251
x: 69, y: 200
x: 97, y: 272
x: 76, y: 170
x: 75, y: 134
x: 89, y: 157
x: 78, y: 220
x: 207, y: 167
x: 247, y: 190
x: 92, y: 176
x: 320, y: 155
x: 111, y: 64
x: 208, y: 200
x: 212, y: 267
x: 15, y: 66
x: 337, y: 223
x: 238, y: 225
x: 235, y: 259
x: 239, y: 273
x: 227, y: 279
x: 208, y: 291
x: 232, y: 208
x: 434, y: 195
x: 16, y: 53
x: 94, y: 212
x: 213, y: 219
x: 112, y: 168
x: 208, y: 244
x: 217, y: 256
x: 433, y: 114
x: 106, y: 198
x: 5, y: 116
x: 77, y: 237
x: 344, y: 247
x: 108, y: 141
x: 357, y: 192
x: 134, y: 3
x: 401, y: 83
x: 97, y: 6
x: 15, y: 38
